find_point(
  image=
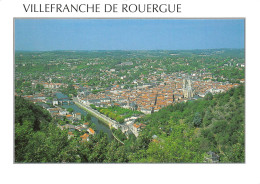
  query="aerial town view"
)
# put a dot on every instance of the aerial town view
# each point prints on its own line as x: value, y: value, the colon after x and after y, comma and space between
x: 129, y: 91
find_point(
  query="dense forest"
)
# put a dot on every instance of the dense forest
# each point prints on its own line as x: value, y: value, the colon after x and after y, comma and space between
x: 181, y: 133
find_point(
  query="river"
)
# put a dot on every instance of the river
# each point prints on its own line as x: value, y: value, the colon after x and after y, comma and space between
x: 99, y: 125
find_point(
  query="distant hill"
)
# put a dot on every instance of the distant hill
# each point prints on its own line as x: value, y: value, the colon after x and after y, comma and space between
x: 41, y: 55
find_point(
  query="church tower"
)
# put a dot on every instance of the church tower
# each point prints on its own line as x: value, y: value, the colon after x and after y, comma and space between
x: 187, y: 89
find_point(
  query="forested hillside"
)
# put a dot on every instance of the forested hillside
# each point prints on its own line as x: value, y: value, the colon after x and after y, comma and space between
x: 187, y: 131
x: 37, y: 139
x: 182, y: 133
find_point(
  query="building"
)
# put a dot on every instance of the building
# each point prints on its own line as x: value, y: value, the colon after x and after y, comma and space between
x: 133, y: 106
x: 55, y: 101
x: 70, y: 135
x: 63, y: 112
x: 187, y: 89
x: 85, y: 125
x: 69, y: 117
x: 84, y: 137
x: 135, y: 128
x: 91, y: 131
x: 77, y: 116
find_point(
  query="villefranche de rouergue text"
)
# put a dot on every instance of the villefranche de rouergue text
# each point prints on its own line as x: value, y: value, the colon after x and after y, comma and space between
x: 106, y: 8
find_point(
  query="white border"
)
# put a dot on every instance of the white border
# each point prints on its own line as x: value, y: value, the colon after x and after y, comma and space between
x: 136, y: 173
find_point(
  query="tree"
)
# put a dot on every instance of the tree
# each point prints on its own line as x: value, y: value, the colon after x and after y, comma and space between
x: 177, y: 147
x: 39, y: 87
x: 93, y: 106
x: 208, y: 96
x: 23, y: 134
x: 88, y: 117
x: 197, y: 120
x: 71, y: 110
x: 207, y: 118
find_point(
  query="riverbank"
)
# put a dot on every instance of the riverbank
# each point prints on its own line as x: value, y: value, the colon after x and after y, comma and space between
x: 99, y: 118
x: 93, y: 114
x: 99, y: 124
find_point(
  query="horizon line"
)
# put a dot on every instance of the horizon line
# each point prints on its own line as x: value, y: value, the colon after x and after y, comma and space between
x: 125, y: 49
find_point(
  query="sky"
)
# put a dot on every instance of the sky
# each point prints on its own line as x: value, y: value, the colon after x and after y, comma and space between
x: 128, y: 34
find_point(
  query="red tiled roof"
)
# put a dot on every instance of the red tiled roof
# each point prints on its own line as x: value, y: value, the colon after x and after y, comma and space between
x: 91, y: 131
x: 136, y: 126
x: 70, y: 133
x: 85, y: 136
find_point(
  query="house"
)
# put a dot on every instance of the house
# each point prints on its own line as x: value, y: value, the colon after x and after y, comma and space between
x: 79, y: 128
x: 67, y: 126
x: 77, y: 116
x: 52, y: 110
x: 146, y: 110
x: 95, y: 102
x: 155, y: 140
x: 91, y: 131
x: 70, y: 135
x: 85, y: 125
x: 63, y: 112
x: 133, y: 106
x: 84, y: 137
x: 108, y: 100
x: 135, y: 129
x: 69, y: 117
x: 215, y: 91
x: 55, y: 102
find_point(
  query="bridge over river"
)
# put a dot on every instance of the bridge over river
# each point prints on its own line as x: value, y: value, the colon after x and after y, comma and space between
x: 63, y: 99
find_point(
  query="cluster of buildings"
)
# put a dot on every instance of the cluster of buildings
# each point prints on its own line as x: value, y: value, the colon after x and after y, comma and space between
x: 72, y: 129
x: 74, y: 125
x: 131, y: 125
x: 51, y: 85
x: 151, y: 97
x: 136, y: 84
x: 144, y: 97
x: 57, y: 113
